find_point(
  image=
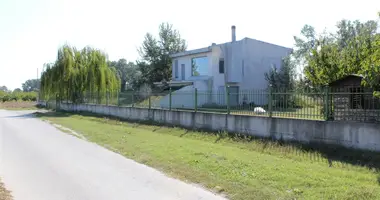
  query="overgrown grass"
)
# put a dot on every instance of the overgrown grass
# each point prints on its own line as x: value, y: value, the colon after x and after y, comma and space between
x: 241, y: 167
x: 4, y: 193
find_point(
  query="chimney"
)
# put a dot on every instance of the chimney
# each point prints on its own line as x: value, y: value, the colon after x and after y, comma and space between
x: 233, y: 31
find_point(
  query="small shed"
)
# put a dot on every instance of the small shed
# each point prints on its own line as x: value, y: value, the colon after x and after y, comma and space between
x: 351, y: 101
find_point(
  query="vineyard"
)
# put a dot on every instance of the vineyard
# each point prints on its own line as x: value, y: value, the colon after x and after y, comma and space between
x: 17, y: 96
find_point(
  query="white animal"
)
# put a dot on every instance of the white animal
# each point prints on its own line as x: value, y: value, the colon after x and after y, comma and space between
x: 259, y: 110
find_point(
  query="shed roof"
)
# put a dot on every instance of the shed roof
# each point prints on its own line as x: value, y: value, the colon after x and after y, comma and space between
x: 345, y: 78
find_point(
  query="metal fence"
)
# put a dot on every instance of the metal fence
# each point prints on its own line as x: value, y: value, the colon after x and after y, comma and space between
x: 348, y: 104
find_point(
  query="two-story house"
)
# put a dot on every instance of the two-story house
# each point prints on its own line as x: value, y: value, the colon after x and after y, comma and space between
x: 240, y: 65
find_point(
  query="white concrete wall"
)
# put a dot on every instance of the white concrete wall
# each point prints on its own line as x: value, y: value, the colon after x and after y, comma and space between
x: 218, y: 78
x: 251, y: 59
x: 258, y: 59
x: 348, y: 134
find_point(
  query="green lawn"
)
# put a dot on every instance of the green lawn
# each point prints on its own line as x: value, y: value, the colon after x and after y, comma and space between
x: 241, y: 168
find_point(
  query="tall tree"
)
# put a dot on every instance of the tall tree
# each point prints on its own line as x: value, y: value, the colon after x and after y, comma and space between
x: 76, y: 72
x: 17, y: 90
x: 126, y: 71
x: 155, y: 53
x: 323, y: 66
x: 30, y: 85
x: 330, y: 56
x: 4, y: 88
x: 283, y: 78
x: 304, y: 45
x: 370, y: 67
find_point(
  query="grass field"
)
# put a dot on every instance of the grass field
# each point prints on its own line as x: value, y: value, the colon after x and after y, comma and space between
x: 240, y: 167
x: 18, y: 105
x: 4, y: 194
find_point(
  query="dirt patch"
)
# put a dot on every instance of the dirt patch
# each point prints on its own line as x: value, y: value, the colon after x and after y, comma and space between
x: 4, y: 194
x: 18, y: 105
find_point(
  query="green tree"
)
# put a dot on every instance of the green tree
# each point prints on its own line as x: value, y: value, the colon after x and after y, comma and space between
x: 370, y: 67
x: 75, y: 73
x: 284, y: 77
x: 330, y: 56
x: 304, y: 45
x: 17, y: 90
x: 4, y: 88
x: 126, y: 71
x: 30, y: 85
x: 155, y: 64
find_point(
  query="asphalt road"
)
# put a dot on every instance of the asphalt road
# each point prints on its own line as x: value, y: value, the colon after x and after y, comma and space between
x: 38, y: 162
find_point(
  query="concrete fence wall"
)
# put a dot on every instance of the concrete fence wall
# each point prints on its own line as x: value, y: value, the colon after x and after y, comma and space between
x: 349, y: 134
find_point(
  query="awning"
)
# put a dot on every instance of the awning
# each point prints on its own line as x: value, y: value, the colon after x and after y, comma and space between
x: 174, y: 83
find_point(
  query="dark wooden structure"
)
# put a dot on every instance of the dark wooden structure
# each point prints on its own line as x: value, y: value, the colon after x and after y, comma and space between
x: 353, y: 102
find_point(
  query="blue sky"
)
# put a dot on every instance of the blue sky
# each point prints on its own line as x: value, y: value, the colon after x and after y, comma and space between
x: 31, y: 31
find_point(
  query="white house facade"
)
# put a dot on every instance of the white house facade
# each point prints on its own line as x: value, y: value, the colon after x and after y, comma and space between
x: 240, y: 65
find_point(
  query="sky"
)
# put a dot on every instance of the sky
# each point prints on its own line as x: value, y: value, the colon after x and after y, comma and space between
x: 31, y: 31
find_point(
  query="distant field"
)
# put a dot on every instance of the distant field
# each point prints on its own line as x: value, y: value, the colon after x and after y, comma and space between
x: 18, y: 105
x: 242, y: 168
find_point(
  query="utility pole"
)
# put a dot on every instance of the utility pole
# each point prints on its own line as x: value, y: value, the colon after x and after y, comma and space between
x: 38, y: 87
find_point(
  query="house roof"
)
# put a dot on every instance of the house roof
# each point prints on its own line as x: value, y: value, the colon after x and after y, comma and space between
x: 191, y: 52
x: 208, y: 49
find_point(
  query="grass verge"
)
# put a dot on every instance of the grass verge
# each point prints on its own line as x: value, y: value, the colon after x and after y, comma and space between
x: 4, y: 193
x: 238, y: 166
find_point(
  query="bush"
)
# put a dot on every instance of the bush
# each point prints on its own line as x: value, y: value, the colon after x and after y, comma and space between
x: 304, y: 102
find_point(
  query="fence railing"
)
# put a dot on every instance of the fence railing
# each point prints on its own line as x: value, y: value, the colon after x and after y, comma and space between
x: 350, y: 104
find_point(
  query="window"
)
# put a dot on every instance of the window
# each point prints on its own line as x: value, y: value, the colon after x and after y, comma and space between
x: 199, y: 66
x: 221, y: 66
x: 176, y: 68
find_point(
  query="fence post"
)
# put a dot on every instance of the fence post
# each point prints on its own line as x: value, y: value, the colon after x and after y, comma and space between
x: 228, y: 99
x: 270, y: 101
x: 107, y: 98
x: 149, y: 101
x: 326, y: 103
x: 195, y: 99
x: 170, y: 98
x: 118, y: 98
x: 57, y: 102
x: 133, y: 98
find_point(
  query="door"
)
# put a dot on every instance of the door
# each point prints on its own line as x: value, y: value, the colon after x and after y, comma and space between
x: 175, y: 70
x: 234, y: 95
x: 182, y: 71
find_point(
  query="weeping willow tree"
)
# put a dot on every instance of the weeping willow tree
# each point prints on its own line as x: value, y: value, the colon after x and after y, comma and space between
x: 76, y: 74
